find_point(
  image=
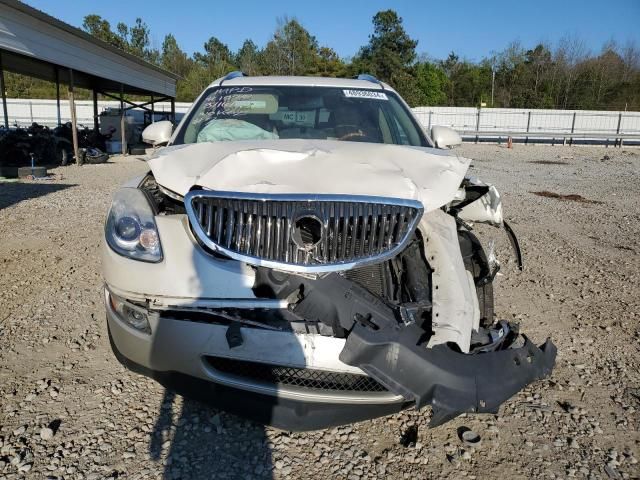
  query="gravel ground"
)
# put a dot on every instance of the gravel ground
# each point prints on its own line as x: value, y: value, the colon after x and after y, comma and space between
x: 69, y: 410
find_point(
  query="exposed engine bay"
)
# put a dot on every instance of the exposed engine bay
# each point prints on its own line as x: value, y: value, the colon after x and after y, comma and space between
x: 420, y: 320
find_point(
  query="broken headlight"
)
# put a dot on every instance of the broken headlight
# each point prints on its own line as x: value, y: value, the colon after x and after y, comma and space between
x: 131, y: 229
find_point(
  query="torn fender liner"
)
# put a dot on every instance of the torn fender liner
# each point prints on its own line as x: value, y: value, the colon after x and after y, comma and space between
x: 452, y: 382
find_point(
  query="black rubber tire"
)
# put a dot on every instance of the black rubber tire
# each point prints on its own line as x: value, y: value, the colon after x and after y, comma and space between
x: 475, y: 261
x: 62, y: 156
x: 484, y: 292
x: 95, y: 159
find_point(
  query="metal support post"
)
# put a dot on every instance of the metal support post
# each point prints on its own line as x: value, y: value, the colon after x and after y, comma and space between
x: 619, y: 140
x: 58, y: 96
x: 74, y: 124
x: 4, y: 95
x: 96, y: 124
x: 123, y: 136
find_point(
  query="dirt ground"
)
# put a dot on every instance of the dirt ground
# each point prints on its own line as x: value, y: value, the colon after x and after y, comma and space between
x: 69, y: 410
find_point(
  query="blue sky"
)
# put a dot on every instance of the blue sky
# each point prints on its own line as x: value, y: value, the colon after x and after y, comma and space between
x: 471, y: 28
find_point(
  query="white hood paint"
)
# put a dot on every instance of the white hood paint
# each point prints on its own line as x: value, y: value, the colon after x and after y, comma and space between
x: 314, y: 167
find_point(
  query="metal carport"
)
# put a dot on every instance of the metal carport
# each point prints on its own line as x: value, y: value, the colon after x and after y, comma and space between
x: 38, y: 45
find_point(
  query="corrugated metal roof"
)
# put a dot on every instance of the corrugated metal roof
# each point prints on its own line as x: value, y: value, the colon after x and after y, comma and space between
x: 34, y: 43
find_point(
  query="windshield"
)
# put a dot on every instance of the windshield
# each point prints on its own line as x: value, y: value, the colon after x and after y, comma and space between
x: 328, y: 113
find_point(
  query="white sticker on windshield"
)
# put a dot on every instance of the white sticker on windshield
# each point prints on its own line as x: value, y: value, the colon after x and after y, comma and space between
x: 365, y: 94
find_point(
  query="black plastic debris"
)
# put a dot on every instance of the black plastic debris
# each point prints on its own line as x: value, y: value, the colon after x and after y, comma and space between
x: 409, y: 437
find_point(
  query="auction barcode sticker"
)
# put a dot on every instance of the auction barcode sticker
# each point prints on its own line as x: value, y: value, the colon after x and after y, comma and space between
x: 365, y: 94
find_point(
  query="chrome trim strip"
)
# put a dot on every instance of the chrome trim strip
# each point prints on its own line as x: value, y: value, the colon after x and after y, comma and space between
x: 170, y: 194
x: 373, y: 257
x: 172, y: 302
x: 299, y: 394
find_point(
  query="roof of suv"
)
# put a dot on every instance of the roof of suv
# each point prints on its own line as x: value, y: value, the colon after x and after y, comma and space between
x: 302, y: 82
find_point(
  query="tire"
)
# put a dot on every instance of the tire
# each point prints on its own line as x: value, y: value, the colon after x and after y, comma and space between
x: 63, y: 157
x: 476, y: 263
x: 64, y: 153
x: 484, y: 292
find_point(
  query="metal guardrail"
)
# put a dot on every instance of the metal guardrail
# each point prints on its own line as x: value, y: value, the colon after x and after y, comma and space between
x: 535, y: 125
x: 535, y: 137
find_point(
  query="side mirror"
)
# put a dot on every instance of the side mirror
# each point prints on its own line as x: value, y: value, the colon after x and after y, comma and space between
x: 445, y: 137
x: 158, y: 133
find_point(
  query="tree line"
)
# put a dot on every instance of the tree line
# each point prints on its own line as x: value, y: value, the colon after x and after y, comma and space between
x: 563, y: 76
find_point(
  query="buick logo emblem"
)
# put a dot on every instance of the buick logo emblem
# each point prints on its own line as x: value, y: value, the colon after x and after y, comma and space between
x: 307, y: 231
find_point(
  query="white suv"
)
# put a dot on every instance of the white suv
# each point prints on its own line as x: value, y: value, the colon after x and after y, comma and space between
x: 300, y: 253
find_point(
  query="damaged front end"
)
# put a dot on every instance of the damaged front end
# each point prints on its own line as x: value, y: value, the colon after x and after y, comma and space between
x: 411, y: 292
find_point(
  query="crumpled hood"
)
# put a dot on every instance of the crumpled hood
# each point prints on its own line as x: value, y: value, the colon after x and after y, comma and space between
x: 313, y: 167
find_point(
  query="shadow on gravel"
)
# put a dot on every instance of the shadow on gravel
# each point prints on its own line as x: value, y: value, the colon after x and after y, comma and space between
x: 12, y: 193
x: 206, y: 443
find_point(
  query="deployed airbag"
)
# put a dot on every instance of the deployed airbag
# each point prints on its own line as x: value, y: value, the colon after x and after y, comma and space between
x: 230, y: 129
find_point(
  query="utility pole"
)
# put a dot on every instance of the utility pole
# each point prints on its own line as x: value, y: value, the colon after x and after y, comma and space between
x: 493, y: 82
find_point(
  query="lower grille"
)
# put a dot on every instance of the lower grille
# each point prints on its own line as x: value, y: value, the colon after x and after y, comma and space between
x: 296, y: 377
x: 371, y: 277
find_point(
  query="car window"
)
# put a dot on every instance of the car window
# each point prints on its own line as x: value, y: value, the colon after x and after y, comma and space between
x: 329, y: 113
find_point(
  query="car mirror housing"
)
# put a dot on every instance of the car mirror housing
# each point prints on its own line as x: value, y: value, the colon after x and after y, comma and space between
x: 158, y: 133
x: 445, y: 137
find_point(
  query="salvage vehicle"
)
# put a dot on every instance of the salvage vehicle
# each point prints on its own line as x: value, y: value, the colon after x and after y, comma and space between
x: 301, y: 253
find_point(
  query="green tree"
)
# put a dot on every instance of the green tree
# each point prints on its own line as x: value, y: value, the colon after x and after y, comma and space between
x: 173, y: 58
x: 291, y: 51
x: 390, y: 49
x: 248, y: 58
x: 328, y: 63
x: 215, y: 62
x: 390, y: 55
x: 134, y: 39
x: 432, y: 82
x: 100, y: 28
x: 139, y: 44
x: 215, y: 53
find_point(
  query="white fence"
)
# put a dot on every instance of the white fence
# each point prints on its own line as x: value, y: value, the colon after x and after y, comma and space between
x: 25, y: 112
x: 484, y: 122
x: 469, y: 121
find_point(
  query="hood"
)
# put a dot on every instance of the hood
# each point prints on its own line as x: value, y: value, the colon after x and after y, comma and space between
x: 313, y: 167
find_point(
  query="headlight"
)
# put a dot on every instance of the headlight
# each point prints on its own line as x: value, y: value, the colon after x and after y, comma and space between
x: 131, y: 229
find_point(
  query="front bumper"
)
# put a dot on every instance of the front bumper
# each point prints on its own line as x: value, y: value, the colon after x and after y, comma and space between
x: 282, y: 413
x: 175, y: 354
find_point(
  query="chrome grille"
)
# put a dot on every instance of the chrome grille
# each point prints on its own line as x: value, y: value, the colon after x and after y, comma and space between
x: 302, y: 233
